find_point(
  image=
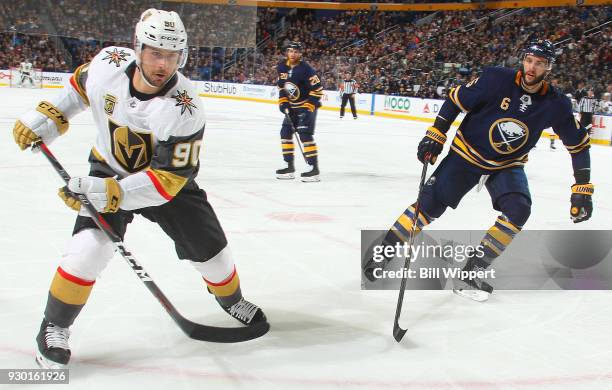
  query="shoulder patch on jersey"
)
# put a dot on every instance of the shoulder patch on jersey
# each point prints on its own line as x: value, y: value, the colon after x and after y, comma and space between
x: 109, y: 103
x: 115, y: 56
x: 184, y: 101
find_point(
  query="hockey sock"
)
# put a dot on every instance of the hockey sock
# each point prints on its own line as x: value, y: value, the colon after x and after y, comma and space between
x: 221, y: 277
x: 311, y: 150
x: 288, y: 147
x: 498, y: 237
x: 67, y: 296
x: 402, y: 228
x: 227, y: 291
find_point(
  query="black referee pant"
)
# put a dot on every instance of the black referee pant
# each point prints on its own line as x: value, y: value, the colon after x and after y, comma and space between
x: 348, y: 97
x: 586, y: 121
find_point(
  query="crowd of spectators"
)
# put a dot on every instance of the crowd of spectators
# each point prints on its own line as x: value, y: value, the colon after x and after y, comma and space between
x: 22, y: 16
x: 394, y: 53
x: 114, y: 20
x: 426, y: 58
x: 41, y: 50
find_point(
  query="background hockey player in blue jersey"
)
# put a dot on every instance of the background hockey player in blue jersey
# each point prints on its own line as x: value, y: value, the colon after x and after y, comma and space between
x: 299, y: 94
x: 506, y: 111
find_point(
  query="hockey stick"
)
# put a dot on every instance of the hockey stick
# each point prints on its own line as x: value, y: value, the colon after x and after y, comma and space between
x: 194, y: 330
x: 295, y: 133
x: 398, y: 332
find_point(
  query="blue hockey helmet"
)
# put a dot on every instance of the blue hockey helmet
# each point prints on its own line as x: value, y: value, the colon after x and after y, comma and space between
x: 541, y: 48
x: 295, y: 45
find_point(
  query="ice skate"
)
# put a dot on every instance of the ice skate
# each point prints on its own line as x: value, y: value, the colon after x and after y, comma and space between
x: 312, y: 175
x: 245, y: 312
x: 286, y: 173
x: 53, y: 350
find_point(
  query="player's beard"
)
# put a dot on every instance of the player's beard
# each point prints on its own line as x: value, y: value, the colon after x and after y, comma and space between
x: 535, y: 81
x: 295, y: 59
x: 156, y: 78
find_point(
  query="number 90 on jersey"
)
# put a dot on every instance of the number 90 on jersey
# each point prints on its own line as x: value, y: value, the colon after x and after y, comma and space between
x: 186, y: 153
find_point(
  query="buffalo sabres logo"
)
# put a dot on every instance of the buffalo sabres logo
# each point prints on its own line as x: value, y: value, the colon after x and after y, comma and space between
x: 109, y: 104
x: 184, y: 101
x: 507, y: 135
x: 293, y: 92
x: 131, y: 149
x: 115, y: 56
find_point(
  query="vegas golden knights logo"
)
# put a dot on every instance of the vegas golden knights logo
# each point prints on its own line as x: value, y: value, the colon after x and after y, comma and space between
x: 116, y: 56
x: 109, y: 104
x: 132, y: 150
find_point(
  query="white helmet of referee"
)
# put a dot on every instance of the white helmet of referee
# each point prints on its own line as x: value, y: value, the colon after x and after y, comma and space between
x: 163, y: 30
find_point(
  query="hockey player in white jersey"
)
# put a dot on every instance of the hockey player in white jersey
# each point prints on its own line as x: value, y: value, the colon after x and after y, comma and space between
x: 150, y: 124
x: 26, y: 74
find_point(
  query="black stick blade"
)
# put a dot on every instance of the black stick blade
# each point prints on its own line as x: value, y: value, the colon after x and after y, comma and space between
x: 398, y: 333
x: 223, y: 335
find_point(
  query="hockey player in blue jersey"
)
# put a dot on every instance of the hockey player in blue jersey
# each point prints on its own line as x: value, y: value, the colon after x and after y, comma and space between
x: 300, y: 92
x: 506, y: 111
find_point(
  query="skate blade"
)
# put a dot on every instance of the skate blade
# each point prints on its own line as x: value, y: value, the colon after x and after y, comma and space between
x: 285, y: 176
x: 47, y: 364
x: 311, y: 179
x: 475, y: 295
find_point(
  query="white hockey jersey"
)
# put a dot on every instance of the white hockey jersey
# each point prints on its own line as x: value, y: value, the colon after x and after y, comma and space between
x: 151, y: 142
x: 25, y: 68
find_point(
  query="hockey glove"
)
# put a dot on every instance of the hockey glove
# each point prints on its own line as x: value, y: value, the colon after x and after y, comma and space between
x: 47, y: 122
x: 104, y: 194
x: 431, y: 145
x: 582, y: 204
x: 284, y: 107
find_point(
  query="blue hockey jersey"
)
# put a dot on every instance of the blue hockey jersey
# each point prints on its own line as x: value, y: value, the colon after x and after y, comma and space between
x: 299, y: 85
x: 503, y: 122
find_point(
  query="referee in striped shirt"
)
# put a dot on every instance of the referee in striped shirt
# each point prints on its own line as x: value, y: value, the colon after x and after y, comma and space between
x: 348, y: 89
x: 587, y: 108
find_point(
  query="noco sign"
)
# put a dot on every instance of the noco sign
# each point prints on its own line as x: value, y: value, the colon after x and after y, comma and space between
x: 397, y: 103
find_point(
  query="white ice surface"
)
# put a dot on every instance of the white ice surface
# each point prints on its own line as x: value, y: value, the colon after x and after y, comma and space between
x: 297, y: 250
